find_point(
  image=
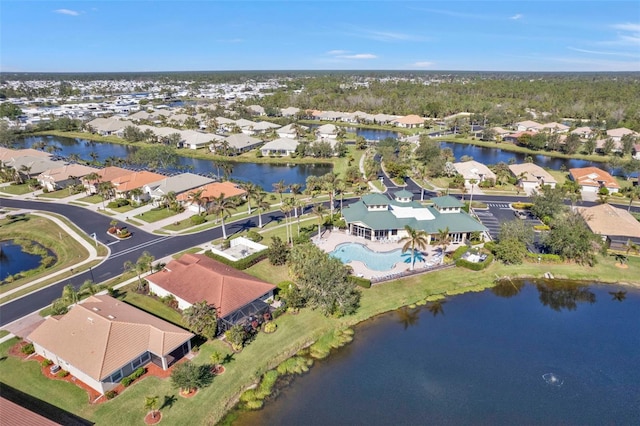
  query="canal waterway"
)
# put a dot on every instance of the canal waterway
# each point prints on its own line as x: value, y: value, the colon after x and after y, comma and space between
x: 525, y: 353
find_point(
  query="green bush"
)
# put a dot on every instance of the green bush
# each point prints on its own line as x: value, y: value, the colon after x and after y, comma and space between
x: 521, y: 206
x: 119, y: 202
x: 241, y: 264
x: 27, y: 349
x: 359, y: 281
x: 270, y: 327
x: 475, y: 266
x: 62, y: 374
x: 197, y: 219
x: 133, y: 376
x: 254, y: 236
x: 459, y: 252
x: 46, y: 362
x: 126, y: 381
x: 110, y: 394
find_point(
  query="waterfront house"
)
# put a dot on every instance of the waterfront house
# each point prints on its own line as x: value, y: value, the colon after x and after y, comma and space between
x: 513, y: 137
x: 29, y: 166
x: 327, y: 131
x: 104, y: 175
x: 207, y: 193
x: 8, y: 154
x: 237, y: 143
x: 194, y: 278
x: 377, y: 217
x: 102, y: 340
x: 289, y: 111
x: 584, y: 132
x: 532, y: 177
x: 291, y: 131
x: 613, y: 224
x: 194, y: 140
x: 554, y: 127
x: 528, y: 125
x: 591, y: 179
x: 409, y: 121
x: 280, y: 147
x: 474, y: 170
x: 617, y: 134
x: 177, y: 184
x: 61, y: 177
x: 109, y: 126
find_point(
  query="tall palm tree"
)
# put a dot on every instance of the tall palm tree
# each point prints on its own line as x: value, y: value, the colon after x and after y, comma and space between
x: 251, y: 189
x: 105, y: 189
x: 421, y: 174
x: 472, y: 182
x: 286, y: 208
x: 329, y: 185
x: 169, y: 200
x: 443, y: 241
x: 70, y: 294
x: 221, y: 206
x: 279, y: 187
x: 415, y: 238
x: 196, y: 197
x: 136, y: 193
x: 295, y: 189
x: 319, y: 210
x: 340, y: 188
x: 261, y: 204
x: 92, y: 179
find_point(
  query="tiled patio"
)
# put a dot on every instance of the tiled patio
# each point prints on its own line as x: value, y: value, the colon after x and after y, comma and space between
x: 331, y: 239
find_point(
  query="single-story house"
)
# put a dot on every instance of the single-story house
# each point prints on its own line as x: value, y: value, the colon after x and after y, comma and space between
x: 531, y: 177
x: 327, y: 131
x: 256, y: 110
x: 611, y: 223
x: 32, y: 166
x: 102, y: 340
x: 528, y: 125
x: 377, y: 217
x: 617, y: 134
x: 281, y: 146
x: 176, y: 184
x: 8, y: 154
x: 61, y: 177
x: 554, y: 127
x: 290, y: 131
x: 123, y: 185
x: 209, y: 192
x: 474, y: 170
x: 409, y: 121
x: 246, y: 126
x: 18, y: 415
x: 107, y: 174
x: 513, y: 137
x: 194, y: 278
x: 109, y: 126
x: 636, y: 151
x: 289, y: 111
x: 591, y: 179
x: 584, y: 132
x: 193, y: 140
x: 238, y: 143
x: 264, y: 126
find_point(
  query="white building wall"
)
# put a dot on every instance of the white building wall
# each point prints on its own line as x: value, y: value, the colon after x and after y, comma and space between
x: 161, y: 292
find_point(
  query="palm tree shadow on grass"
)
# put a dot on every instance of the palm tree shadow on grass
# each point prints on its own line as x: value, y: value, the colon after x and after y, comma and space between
x: 168, y: 402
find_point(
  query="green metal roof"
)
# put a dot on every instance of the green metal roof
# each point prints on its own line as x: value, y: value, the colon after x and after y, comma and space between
x: 447, y: 201
x: 403, y: 194
x: 375, y: 199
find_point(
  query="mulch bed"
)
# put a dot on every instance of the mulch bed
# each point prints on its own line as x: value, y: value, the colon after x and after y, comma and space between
x: 16, y: 350
x: 217, y: 370
x: 189, y: 394
x: 150, y: 420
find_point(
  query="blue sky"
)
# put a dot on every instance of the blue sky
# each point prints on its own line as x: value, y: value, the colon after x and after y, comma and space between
x: 86, y: 36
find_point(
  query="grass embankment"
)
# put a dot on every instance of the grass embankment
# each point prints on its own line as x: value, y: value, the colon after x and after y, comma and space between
x: 67, y: 249
x: 19, y: 189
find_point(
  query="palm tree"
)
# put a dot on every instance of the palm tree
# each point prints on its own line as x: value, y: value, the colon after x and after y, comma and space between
x: 295, y: 189
x: 105, y: 190
x: 136, y: 193
x: 195, y: 197
x: 70, y: 294
x: 633, y: 194
x: 319, y: 210
x: 421, y: 174
x: 341, y: 188
x: 88, y: 287
x: 261, y: 205
x: 329, y: 185
x: 286, y: 208
x: 169, y: 200
x: 150, y: 404
x: 279, y: 187
x: 415, y: 238
x: 221, y: 206
x: 251, y: 190
x: 472, y: 182
x: 443, y: 240
x: 92, y: 179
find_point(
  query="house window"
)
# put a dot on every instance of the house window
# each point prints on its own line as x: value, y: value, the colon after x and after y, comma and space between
x: 115, y: 377
x: 140, y: 360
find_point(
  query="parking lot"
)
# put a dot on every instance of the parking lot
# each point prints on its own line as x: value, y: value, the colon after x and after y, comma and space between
x: 497, y: 213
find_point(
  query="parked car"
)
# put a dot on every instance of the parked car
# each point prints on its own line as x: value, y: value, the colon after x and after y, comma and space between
x: 521, y: 214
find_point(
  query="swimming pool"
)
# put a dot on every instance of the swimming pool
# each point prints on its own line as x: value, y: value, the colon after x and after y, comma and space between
x: 376, y: 261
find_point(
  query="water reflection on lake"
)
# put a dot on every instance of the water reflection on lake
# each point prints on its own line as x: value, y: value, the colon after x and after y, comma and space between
x: 541, y: 353
x: 14, y: 260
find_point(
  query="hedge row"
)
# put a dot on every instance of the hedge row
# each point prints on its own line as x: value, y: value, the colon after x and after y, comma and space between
x: 241, y: 264
x: 362, y: 282
x: 459, y: 252
x: 131, y: 377
x: 475, y: 266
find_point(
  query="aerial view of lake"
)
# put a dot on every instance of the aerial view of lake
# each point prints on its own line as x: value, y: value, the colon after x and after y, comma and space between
x: 14, y: 260
x: 264, y: 175
x: 524, y: 353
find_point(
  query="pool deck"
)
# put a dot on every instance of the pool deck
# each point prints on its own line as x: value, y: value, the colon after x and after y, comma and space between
x: 331, y: 239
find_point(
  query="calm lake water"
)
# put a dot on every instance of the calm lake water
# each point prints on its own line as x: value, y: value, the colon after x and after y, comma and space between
x: 547, y: 355
x: 264, y: 175
x: 14, y: 260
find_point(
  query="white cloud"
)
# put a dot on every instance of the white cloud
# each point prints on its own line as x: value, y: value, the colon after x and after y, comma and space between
x: 67, y: 12
x: 359, y: 56
x: 422, y: 64
x: 627, y: 27
x: 517, y: 16
x: 600, y: 52
x: 337, y: 52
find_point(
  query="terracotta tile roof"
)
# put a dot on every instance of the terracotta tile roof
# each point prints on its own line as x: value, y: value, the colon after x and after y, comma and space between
x: 102, y: 334
x: 65, y: 172
x: 410, y: 119
x: 196, y: 277
x: 135, y: 180
x: 593, y: 176
x: 604, y: 219
x: 110, y: 173
x: 214, y: 190
x: 7, y: 154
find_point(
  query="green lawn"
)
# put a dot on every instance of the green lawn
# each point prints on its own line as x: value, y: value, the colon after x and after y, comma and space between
x: 155, y: 215
x: 57, y: 195
x: 3, y: 333
x: 16, y: 189
x: 92, y: 199
x: 123, y: 209
x: 150, y: 304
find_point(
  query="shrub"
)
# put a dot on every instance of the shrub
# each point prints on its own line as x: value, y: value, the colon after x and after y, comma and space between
x: 126, y: 381
x: 119, y: 202
x: 541, y: 227
x: 459, y: 252
x: 241, y: 264
x: 133, y: 376
x: 62, y: 374
x: 254, y: 236
x: 270, y: 327
x: 197, y: 219
x: 27, y: 349
x: 46, y: 362
x: 521, y: 206
x: 475, y: 266
x: 236, y: 336
x: 110, y: 394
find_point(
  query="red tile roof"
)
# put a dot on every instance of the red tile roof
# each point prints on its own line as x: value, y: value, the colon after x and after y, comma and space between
x: 196, y: 277
x: 593, y: 176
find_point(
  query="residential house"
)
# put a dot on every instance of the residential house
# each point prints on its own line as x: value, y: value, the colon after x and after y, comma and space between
x: 246, y: 126
x: 636, y: 151
x: 123, y: 185
x: 109, y: 126
x: 102, y: 340
x: 584, y: 132
x: 194, y: 140
x: 193, y: 278
x: 61, y: 177
x: 528, y: 125
x: 500, y: 133
x: 532, y: 177
x: 291, y: 131
x: 280, y: 147
x: 377, y: 217
x: 238, y: 143
x: 16, y: 414
x: 513, y: 137
x: 617, y: 134
x: 29, y: 166
x: 327, y: 131
x: 591, y: 179
x: 104, y: 175
x: 409, y: 121
x: 177, y: 184
x: 8, y: 154
x: 264, y: 126
x: 256, y: 110
x: 209, y: 192
x: 554, y: 127
x: 290, y: 111
x: 613, y: 224
x: 474, y: 170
